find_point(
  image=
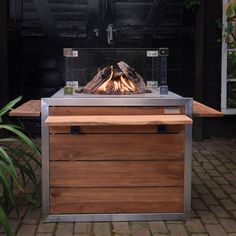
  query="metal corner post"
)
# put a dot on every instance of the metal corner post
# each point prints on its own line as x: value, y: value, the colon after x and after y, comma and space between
x: 188, y: 161
x: 45, y: 160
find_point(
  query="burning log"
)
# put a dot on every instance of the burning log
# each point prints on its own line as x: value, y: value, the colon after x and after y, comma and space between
x: 120, y: 80
x: 134, y: 76
x: 97, y: 80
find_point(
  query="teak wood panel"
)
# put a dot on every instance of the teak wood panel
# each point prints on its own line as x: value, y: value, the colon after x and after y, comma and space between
x: 76, y: 111
x: 116, y: 200
x: 145, y: 129
x: 116, y: 146
x: 31, y: 108
x: 117, y: 120
x: 201, y: 110
x: 116, y: 173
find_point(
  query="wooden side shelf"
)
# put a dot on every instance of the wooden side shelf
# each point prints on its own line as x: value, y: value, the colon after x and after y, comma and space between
x: 118, y: 120
x: 31, y: 108
x: 201, y: 110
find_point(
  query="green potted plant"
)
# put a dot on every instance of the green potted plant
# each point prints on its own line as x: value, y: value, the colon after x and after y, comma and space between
x: 15, y: 161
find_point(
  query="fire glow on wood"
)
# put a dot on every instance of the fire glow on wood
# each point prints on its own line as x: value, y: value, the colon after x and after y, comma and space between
x: 120, y: 79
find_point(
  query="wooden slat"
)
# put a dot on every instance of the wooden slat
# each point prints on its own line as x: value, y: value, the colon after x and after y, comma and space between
x: 116, y: 173
x: 139, y: 129
x: 117, y: 120
x: 117, y: 147
x: 201, y: 110
x: 32, y: 108
x: 116, y: 200
x: 85, y: 111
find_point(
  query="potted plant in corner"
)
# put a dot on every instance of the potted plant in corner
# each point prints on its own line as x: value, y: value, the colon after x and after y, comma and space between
x: 15, y: 162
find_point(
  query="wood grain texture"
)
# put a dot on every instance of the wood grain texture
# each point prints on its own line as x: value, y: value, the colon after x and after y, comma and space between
x: 201, y: 110
x: 117, y: 147
x: 117, y: 120
x: 116, y: 173
x: 76, y: 111
x: 116, y: 200
x: 32, y: 108
x: 121, y: 129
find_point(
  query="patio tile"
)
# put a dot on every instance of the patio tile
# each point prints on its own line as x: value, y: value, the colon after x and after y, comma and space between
x: 139, y: 230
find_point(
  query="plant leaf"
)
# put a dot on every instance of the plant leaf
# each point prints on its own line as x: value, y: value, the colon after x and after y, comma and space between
x: 9, y: 105
x: 5, y: 223
x: 21, y: 136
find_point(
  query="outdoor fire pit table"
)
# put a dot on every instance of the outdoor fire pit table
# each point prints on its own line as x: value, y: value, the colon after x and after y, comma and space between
x: 108, y: 157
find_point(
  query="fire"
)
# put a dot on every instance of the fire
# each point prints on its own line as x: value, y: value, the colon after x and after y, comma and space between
x: 117, y: 83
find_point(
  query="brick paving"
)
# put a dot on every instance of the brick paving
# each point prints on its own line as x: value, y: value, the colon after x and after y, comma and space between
x: 213, y: 204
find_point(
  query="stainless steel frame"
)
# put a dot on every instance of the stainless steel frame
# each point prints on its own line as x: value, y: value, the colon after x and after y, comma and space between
x: 113, y: 101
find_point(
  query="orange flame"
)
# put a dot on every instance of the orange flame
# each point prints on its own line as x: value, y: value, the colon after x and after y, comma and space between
x: 120, y: 84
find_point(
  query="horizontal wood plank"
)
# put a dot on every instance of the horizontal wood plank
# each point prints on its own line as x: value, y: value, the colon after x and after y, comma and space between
x: 32, y: 108
x: 117, y: 120
x: 121, y: 129
x: 116, y: 200
x: 86, y: 111
x: 117, y: 147
x: 201, y: 110
x: 116, y: 174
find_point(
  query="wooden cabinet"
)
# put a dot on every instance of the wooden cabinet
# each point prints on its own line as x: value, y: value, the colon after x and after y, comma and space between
x: 115, y: 169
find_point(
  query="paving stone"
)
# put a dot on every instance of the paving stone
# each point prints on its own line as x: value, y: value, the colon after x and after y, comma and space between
x: 222, y: 169
x: 194, y: 194
x: 195, y: 226
x: 44, y: 234
x: 230, y: 165
x: 229, y: 189
x: 209, y: 199
x: 233, y: 196
x: 177, y: 229
x: 102, y: 229
x: 121, y: 227
x: 197, y: 204
x: 233, y: 182
x: 63, y: 229
x: 158, y: 227
x: 201, y: 189
x: 211, y: 184
x: 196, y: 180
x: 139, y: 230
x: 229, y: 225
x: 193, y: 214
x: 215, y: 230
x: 204, y: 176
x: 46, y: 227
x: 215, y: 162
x: 199, y: 234
x: 207, y: 217
x: 219, y: 211
x: 219, y: 194
x: 156, y: 234
x: 32, y: 216
x: 82, y: 227
x: 221, y: 180
x: 88, y: 234
x: 208, y: 166
x: 228, y: 204
x: 214, y: 173
x: 22, y: 211
x: 27, y: 230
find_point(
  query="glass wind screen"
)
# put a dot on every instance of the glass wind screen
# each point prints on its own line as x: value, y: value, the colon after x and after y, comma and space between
x: 83, y: 64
